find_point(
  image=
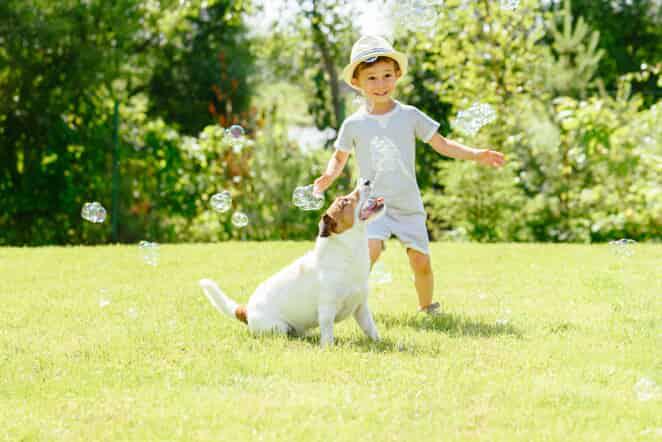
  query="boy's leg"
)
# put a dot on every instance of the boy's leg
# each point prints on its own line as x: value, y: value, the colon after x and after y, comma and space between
x: 423, y: 277
x: 376, y: 246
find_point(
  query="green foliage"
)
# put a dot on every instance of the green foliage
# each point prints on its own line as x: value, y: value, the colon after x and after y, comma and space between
x: 571, y: 66
x: 476, y: 203
x: 311, y: 53
x: 478, y: 52
x: 630, y: 35
x: 58, y: 64
x: 170, y: 178
x: 577, y: 169
x: 204, y: 72
x: 62, y: 67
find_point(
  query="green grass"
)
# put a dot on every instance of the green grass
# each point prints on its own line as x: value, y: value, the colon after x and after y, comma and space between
x: 583, y: 327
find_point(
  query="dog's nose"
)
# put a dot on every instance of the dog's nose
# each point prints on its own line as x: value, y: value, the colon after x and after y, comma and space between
x: 366, y: 183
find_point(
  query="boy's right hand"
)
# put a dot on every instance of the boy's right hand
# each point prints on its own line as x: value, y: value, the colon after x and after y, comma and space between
x: 322, y: 183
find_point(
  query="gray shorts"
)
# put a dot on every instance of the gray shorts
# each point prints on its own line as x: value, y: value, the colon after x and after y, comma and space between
x: 409, y: 229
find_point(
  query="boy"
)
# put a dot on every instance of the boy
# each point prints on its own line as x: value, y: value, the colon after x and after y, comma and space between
x: 383, y: 136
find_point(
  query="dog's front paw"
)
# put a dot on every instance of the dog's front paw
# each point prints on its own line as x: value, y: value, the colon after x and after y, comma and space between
x: 326, y: 342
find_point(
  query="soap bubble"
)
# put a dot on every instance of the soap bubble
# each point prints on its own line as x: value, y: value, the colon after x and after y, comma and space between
x: 104, y: 301
x: 149, y: 252
x: 509, y: 5
x: 471, y: 120
x: 132, y: 312
x: 415, y: 15
x: 645, y: 389
x: 235, y: 134
x: 379, y: 275
x: 93, y: 212
x: 236, y: 131
x: 239, y: 219
x: 305, y: 198
x: 221, y: 202
x: 623, y: 248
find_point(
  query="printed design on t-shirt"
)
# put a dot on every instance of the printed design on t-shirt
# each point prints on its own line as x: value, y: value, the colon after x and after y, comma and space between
x: 386, y: 158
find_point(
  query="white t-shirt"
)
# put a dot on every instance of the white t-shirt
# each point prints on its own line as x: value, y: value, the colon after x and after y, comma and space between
x: 385, y: 147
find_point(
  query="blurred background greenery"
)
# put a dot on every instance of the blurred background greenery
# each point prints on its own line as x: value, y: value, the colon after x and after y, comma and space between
x: 125, y: 103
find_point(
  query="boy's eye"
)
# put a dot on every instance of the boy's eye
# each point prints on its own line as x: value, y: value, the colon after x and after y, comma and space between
x: 371, y: 78
x: 388, y: 75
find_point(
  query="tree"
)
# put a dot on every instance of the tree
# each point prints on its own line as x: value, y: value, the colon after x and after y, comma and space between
x: 63, y: 68
x: 630, y: 35
x: 204, y: 72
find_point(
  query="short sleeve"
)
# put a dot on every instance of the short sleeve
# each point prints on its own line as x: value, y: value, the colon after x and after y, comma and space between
x: 344, y: 141
x: 424, y: 126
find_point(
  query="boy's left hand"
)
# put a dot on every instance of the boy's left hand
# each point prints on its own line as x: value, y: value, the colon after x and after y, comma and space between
x: 490, y: 158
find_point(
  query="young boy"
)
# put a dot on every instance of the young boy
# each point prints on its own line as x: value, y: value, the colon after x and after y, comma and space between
x: 383, y: 137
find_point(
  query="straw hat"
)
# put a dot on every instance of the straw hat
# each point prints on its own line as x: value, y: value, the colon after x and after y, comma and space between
x: 368, y: 48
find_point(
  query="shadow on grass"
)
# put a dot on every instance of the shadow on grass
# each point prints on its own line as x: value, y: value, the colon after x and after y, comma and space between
x: 363, y: 344
x: 450, y: 324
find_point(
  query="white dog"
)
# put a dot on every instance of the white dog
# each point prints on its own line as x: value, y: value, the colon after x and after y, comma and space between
x: 324, y: 286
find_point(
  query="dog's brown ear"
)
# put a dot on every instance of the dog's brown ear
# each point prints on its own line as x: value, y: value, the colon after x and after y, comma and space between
x: 327, y: 226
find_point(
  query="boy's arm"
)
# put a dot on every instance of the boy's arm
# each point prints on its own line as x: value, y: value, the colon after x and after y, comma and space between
x: 333, y: 170
x: 454, y: 149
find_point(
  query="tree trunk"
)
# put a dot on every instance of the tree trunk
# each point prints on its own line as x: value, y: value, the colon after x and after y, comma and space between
x: 320, y: 41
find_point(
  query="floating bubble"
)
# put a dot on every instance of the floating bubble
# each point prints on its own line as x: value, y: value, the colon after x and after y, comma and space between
x: 305, y: 198
x: 471, y: 120
x: 221, y: 202
x: 379, y: 275
x: 239, y: 219
x: 509, y: 5
x: 149, y: 252
x: 415, y: 15
x: 132, y: 313
x: 623, y: 248
x: 236, y: 131
x: 104, y: 303
x: 645, y: 389
x: 93, y: 212
x: 502, y: 321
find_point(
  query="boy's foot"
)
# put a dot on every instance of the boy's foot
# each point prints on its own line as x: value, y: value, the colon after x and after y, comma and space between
x: 432, y: 309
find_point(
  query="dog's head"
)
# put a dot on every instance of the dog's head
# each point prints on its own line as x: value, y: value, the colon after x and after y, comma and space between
x: 347, y: 211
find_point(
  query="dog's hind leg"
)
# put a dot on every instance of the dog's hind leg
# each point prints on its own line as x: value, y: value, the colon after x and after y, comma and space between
x: 222, y: 302
x: 260, y: 324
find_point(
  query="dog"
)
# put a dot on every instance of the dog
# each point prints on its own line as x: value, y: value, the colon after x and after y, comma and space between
x: 324, y: 286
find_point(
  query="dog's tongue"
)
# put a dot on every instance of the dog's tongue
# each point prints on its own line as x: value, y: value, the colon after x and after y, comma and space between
x: 370, y: 206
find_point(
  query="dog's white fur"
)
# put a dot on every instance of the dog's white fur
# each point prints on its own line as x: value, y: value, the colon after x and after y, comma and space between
x: 324, y: 286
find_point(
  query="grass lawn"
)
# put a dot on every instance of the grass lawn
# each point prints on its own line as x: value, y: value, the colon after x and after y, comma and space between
x: 538, y: 342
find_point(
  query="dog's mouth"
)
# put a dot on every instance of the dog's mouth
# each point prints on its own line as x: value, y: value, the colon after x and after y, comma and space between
x: 371, y: 207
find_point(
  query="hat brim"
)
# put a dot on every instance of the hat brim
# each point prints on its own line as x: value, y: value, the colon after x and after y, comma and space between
x: 399, y: 57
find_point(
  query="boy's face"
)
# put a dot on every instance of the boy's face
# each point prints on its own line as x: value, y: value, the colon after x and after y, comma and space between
x: 378, y: 81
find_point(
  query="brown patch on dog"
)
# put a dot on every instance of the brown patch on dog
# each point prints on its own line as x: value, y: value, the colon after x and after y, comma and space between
x: 240, y: 313
x: 340, y: 215
x: 327, y: 226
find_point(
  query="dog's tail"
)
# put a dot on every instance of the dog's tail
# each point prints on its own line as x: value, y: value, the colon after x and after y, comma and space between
x: 221, y: 301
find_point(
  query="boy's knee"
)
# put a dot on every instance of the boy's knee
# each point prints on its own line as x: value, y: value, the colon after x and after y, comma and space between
x: 376, y: 248
x: 420, y: 262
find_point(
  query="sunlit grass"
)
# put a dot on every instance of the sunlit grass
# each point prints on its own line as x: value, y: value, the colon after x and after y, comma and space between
x: 578, y: 327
